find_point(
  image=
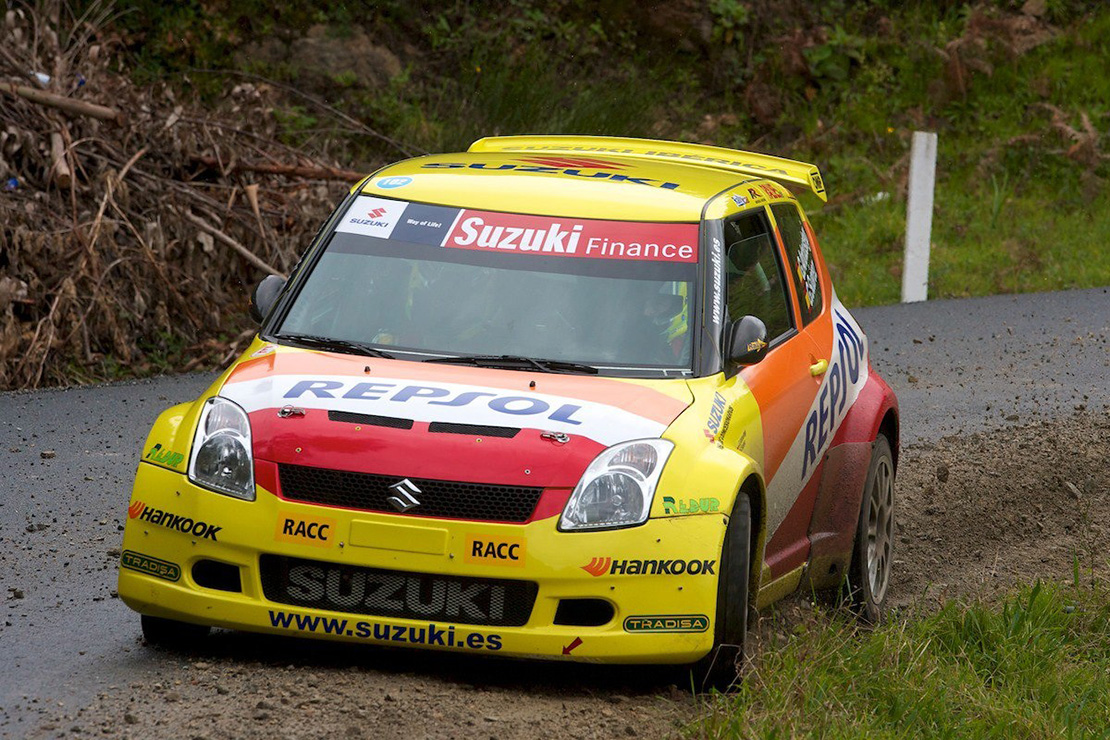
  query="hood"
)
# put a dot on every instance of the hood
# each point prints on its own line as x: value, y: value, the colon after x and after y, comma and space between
x: 442, y: 422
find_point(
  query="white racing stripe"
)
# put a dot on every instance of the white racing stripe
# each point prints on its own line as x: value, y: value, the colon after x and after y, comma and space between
x: 447, y: 402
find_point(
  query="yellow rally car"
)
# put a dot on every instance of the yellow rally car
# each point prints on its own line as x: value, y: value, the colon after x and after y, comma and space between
x: 576, y: 398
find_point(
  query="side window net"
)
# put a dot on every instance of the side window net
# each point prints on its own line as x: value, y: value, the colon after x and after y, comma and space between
x: 753, y: 276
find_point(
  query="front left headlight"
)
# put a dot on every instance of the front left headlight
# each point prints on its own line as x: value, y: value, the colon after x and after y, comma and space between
x: 221, y: 458
x: 618, y: 487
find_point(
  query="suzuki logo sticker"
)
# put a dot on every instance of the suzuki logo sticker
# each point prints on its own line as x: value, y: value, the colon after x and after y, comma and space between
x: 406, y: 495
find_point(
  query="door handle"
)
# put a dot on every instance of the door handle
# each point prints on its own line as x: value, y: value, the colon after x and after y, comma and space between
x: 818, y: 368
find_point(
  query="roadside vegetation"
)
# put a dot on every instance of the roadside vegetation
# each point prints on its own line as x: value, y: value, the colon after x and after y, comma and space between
x: 1016, y: 90
x: 1036, y: 665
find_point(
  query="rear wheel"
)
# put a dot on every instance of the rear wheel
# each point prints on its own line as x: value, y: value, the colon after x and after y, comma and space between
x: 720, y: 669
x: 872, y: 556
x: 170, y: 633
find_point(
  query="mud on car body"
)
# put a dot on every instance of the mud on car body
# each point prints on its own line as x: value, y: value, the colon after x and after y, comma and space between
x: 574, y: 398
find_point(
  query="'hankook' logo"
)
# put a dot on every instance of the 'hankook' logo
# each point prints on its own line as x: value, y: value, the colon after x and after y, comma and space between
x: 406, y: 495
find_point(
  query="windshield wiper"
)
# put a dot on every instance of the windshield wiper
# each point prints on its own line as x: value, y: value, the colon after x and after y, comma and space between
x: 336, y: 345
x: 516, y: 361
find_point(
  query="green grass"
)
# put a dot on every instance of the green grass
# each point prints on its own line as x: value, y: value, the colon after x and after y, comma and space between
x: 1035, y: 666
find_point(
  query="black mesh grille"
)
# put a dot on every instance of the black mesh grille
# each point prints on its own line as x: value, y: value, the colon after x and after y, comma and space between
x: 391, y: 593
x: 370, y: 420
x: 476, y: 430
x: 438, y: 498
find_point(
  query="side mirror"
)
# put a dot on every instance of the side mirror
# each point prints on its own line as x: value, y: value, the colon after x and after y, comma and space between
x: 265, y: 296
x: 747, y: 343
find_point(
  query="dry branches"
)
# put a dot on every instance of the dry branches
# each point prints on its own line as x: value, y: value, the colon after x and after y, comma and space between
x: 113, y: 229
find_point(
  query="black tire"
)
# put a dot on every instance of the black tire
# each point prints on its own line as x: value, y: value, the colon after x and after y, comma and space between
x: 873, y: 552
x: 722, y: 666
x: 169, y: 633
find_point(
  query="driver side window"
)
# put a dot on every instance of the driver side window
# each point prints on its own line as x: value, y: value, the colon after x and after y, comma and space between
x: 753, y: 275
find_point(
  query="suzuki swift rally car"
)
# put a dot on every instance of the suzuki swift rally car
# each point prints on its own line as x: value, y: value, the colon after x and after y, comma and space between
x: 574, y: 398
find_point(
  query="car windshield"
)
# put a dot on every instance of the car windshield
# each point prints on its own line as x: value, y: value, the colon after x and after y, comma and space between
x: 439, y: 282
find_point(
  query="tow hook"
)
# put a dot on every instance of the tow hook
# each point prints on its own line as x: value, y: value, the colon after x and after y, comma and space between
x: 556, y: 437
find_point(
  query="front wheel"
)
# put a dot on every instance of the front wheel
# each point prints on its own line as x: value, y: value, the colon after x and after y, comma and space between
x: 872, y: 555
x: 720, y: 669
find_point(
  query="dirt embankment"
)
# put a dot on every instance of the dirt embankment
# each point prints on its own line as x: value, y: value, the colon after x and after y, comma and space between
x: 978, y: 513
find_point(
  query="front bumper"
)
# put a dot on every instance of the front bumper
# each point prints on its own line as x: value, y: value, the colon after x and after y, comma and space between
x: 672, y: 615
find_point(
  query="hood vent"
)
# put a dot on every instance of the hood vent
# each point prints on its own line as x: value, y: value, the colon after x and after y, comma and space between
x: 474, y: 430
x: 370, y: 420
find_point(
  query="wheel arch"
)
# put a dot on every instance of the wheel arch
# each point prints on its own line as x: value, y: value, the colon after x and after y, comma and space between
x: 757, y: 501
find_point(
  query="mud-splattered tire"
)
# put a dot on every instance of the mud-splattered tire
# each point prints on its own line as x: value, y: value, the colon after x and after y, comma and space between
x: 720, y: 669
x: 873, y: 552
x: 169, y: 633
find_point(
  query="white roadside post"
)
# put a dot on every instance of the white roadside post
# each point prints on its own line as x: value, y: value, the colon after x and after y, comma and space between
x: 919, y: 217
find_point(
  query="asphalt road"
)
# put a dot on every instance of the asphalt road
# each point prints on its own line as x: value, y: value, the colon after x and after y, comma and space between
x: 968, y: 365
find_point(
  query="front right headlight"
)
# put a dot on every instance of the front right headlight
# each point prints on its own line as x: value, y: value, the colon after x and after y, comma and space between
x: 618, y: 486
x: 221, y: 458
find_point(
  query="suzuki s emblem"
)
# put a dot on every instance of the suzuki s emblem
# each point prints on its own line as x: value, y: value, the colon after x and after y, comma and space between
x: 406, y: 495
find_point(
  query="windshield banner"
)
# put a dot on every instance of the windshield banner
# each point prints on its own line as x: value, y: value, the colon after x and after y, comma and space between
x: 549, y: 236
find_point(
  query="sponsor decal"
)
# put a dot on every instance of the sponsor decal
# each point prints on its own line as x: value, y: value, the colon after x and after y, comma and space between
x: 717, y: 260
x: 843, y: 378
x: 370, y: 216
x: 512, y: 405
x: 716, y: 417
x: 183, y: 524
x: 582, y: 238
x: 157, y: 454
x: 389, y: 183
x: 335, y: 588
x: 756, y: 195
x: 491, y: 550
x: 600, y: 566
x: 429, y: 634
x: 150, y: 565
x: 599, y: 171
x: 690, y: 506
x: 266, y: 349
x: 818, y: 183
x: 567, y: 649
x: 740, y: 201
x: 756, y: 344
x: 667, y: 623
x: 305, y: 530
x: 772, y: 191
x: 447, y: 402
x: 807, y: 269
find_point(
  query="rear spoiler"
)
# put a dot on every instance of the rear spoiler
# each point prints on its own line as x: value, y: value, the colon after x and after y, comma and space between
x: 788, y: 171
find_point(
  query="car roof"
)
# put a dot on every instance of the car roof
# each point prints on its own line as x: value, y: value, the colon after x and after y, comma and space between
x: 588, y: 177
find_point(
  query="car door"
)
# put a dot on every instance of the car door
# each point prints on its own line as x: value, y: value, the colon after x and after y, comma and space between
x: 758, y: 283
x: 793, y: 483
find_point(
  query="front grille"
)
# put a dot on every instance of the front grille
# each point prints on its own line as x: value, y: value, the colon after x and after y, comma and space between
x: 390, y: 593
x: 438, y: 498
